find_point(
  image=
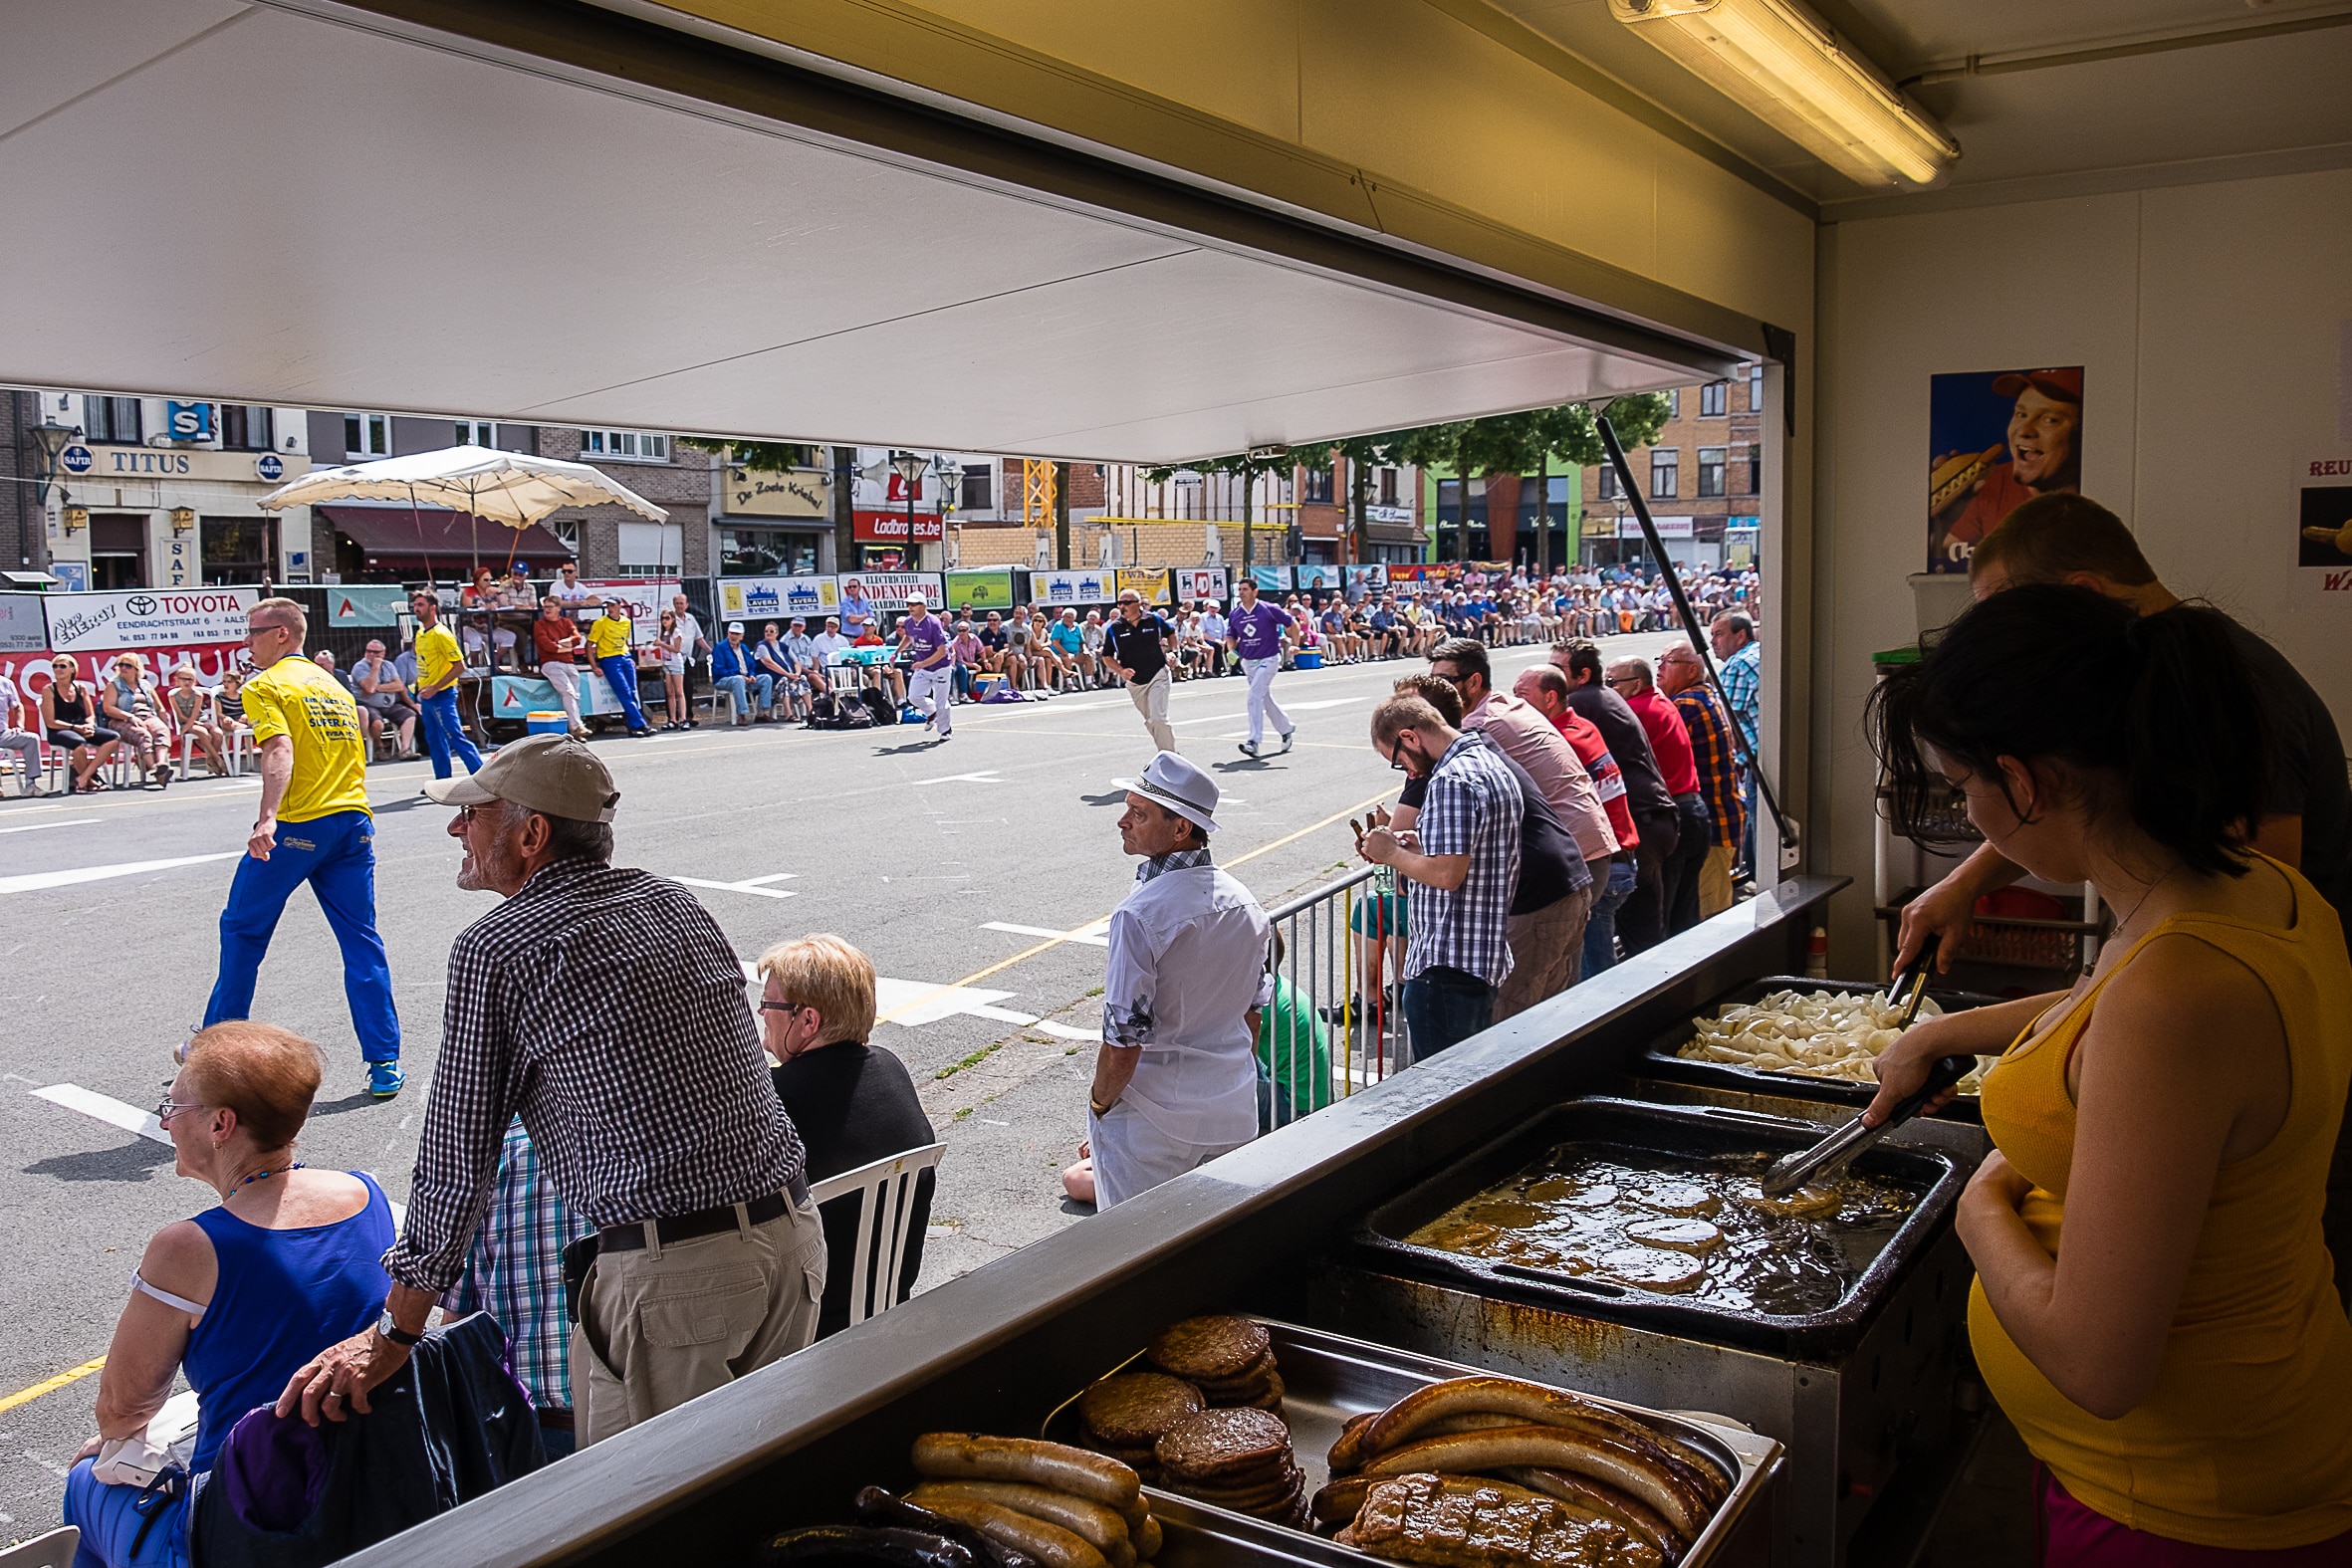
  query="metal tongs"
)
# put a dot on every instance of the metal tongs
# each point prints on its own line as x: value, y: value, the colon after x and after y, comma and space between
x: 1833, y: 1153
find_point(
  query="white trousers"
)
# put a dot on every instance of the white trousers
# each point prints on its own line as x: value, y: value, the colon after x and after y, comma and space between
x: 1151, y: 700
x: 1132, y: 1156
x: 1261, y: 704
x: 564, y: 678
x: 928, y: 692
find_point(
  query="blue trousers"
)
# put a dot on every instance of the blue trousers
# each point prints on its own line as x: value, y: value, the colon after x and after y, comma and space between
x: 1444, y: 1007
x: 1600, y: 927
x: 337, y: 856
x: 445, y: 733
x: 621, y: 672
x: 742, y: 686
x: 110, y: 1522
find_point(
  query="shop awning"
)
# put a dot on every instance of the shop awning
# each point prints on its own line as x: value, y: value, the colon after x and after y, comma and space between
x: 401, y: 534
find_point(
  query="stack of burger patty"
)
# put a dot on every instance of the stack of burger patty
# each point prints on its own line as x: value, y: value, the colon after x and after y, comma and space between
x: 1124, y: 1414
x: 1234, y: 1459
x: 1229, y: 1359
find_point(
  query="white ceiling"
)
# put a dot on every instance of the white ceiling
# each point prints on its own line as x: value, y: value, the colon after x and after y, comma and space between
x: 250, y: 202
x: 2165, y: 114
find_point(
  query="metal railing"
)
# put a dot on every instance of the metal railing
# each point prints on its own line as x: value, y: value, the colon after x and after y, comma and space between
x: 1333, y: 1027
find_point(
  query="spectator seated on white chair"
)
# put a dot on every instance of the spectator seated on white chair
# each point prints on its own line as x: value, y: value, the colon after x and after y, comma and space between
x: 854, y: 1106
x: 239, y: 1298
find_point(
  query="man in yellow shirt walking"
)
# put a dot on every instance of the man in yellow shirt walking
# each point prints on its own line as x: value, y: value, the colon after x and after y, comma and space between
x: 608, y: 640
x: 438, y: 665
x: 314, y: 827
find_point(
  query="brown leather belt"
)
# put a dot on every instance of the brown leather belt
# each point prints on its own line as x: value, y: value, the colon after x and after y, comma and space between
x: 630, y: 1237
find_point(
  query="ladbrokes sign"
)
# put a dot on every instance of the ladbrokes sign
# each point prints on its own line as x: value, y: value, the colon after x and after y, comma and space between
x: 145, y: 618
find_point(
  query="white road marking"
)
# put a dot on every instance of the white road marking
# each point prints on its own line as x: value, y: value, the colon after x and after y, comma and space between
x: 1068, y: 1033
x: 34, y: 827
x: 939, y: 1003
x: 107, y: 1110
x: 1094, y: 937
x: 756, y: 886
x: 34, y: 881
x: 992, y: 776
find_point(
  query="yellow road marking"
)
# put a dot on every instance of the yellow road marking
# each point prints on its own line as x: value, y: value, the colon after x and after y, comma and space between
x: 51, y: 1385
x: 1073, y: 932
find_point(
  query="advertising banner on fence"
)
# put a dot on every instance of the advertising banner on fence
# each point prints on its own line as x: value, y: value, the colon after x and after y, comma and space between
x: 1073, y: 587
x: 1200, y: 582
x: 22, y: 629
x: 1270, y: 579
x: 518, y: 697
x: 1311, y: 577
x: 887, y: 590
x: 1150, y: 582
x: 1996, y: 440
x: 982, y: 587
x: 1365, y: 580
x: 644, y: 598
x: 775, y: 598
x: 146, y: 618
x: 366, y: 604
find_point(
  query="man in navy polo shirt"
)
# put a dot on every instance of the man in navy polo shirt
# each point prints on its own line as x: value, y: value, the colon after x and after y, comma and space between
x: 1257, y: 631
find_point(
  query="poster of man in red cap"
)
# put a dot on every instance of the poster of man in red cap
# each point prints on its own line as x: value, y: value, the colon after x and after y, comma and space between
x: 1997, y: 439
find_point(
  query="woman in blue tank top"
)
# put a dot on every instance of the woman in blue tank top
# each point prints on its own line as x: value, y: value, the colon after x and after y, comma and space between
x: 241, y: 1295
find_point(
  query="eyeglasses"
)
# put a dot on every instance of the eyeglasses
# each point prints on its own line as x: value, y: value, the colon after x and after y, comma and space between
x: 167, y: 1108
x: 1396, y: 755
x: 1624, y: 680
x: 783, y: 1006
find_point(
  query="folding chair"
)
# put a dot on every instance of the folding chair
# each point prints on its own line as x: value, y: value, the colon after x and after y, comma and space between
x: 886, y: 1208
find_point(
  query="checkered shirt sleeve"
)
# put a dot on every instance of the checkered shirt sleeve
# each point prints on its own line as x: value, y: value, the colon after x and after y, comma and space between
x: 1718, y: 767
x: 605, y: 1008
x: 515, y: 1271
x: 1741, y: 684
x: 1472, y: 807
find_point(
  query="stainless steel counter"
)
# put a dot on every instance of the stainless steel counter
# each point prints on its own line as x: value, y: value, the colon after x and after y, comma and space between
x: 996, y: 1349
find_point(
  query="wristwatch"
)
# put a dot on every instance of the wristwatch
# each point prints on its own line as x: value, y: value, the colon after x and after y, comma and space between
x: 395, y: 1332
x: 1097, y: 1107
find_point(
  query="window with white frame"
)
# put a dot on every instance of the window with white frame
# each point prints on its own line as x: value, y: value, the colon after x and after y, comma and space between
x: 110, y: 419
x: 1715, y: 399
x: 1711, y: 470
x: 1665, y: 472
x: 627, y: 446
x: 1609, y: 489
x: 1755, y: 387
x: 477, y: 432
x: 366, y: 435
x: 978, y: 486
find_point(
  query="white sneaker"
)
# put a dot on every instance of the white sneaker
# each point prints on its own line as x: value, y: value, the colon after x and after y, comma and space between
x: 1287, y: 734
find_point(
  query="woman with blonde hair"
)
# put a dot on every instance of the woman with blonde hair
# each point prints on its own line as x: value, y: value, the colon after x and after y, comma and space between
x: 135, y: 709
x: 238, y: 1297
x: 670, y: 644
x: 192, y: 711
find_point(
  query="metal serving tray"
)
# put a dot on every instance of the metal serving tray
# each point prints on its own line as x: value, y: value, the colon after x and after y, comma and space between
x: 1659, y: 1059
x: 1329, y: 1378
x: 1669, y: 1131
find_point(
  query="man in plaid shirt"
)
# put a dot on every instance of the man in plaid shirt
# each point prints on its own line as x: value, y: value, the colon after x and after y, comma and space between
x: 1739, y: 666
x: 1459, y: 862
x: 1682, y: 678
x: 515, y: 1272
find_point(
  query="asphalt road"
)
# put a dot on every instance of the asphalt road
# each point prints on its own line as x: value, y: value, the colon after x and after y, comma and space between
x: 914, y: 850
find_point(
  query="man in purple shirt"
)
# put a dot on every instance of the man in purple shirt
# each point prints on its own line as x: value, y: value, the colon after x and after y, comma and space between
x: 931, y: 662
x: 1256, y: 633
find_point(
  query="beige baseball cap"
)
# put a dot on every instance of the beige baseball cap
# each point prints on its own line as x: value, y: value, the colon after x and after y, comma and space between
x: 552, y: 774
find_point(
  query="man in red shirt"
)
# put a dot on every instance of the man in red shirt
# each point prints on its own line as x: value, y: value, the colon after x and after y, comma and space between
x: 1670, y: 742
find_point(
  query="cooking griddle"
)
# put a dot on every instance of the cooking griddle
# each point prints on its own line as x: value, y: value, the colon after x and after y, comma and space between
x: 1620, y: 1129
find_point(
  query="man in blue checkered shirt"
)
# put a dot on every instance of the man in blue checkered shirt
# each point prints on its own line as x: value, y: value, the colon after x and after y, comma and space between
x: 515, y: 1272
x: 1460, y: 863
x: 1739, y: 666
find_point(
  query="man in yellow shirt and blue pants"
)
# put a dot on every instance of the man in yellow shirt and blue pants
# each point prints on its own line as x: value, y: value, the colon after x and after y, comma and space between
x: 314, y: 827
x: 608, y: 639
x: 438, y: 665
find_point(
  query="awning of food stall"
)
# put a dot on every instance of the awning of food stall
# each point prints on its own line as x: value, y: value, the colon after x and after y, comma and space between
x: 401, y: 536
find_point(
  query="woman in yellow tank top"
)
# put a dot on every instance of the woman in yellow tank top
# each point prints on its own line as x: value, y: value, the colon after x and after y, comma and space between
x: 2154, y: 1307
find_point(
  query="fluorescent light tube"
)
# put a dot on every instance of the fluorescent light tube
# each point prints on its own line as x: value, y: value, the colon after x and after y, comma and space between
x: 1774, y: 57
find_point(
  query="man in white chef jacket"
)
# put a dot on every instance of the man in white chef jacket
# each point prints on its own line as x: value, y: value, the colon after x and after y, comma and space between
x: 1176, y: 1082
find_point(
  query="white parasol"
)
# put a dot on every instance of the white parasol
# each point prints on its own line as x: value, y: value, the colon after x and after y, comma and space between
x: 510, y: 488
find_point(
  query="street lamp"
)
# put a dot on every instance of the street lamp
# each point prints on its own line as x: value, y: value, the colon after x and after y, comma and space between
x: 912, y: 467
x: 51, y: 439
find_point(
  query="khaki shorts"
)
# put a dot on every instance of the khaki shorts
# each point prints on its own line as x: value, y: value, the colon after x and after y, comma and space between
x: 660, y: 1325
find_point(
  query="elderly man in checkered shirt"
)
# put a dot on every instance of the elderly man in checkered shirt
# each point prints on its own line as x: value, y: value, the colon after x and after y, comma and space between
x: 605, y: 1008
x: 1460, y: 864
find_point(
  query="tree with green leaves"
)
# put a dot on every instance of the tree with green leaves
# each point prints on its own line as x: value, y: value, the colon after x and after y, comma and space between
x: 1246, y: 466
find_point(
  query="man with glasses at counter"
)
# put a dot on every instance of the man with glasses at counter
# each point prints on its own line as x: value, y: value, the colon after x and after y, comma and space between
x: 1460, y: 865
x: 646, y: 1098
